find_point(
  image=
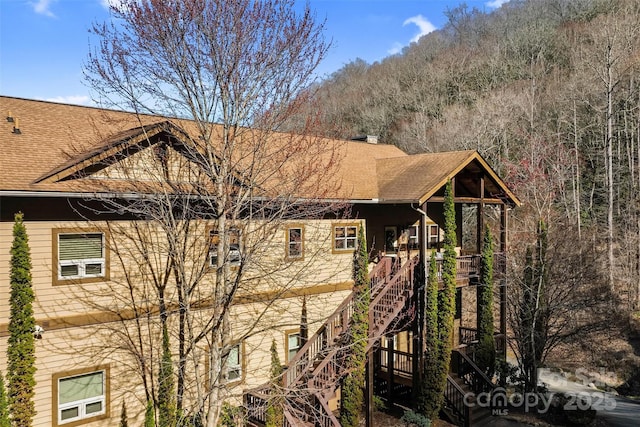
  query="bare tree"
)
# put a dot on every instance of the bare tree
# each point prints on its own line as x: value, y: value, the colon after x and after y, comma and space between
x: 557, y: 301
x: 218, y: 183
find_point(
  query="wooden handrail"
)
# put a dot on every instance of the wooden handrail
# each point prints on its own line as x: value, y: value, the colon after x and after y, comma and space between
x: 454, y: 396
x: 319, y: 363
x: 473, y: 375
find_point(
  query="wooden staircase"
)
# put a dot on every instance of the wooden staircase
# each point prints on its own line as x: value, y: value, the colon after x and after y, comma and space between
x: 313, y: 375
x: 463, y: 386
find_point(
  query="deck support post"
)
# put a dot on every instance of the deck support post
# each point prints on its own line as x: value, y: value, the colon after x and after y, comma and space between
x: 390, y: 373
x: 369, y: 387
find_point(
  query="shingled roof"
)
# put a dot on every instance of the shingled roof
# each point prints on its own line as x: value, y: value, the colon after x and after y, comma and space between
x: 56, y: 140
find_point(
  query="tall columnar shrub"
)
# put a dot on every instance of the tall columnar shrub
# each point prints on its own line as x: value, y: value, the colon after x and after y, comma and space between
x: 447, y: 296
x: 430, y: 397
x: 149, y: 415
x: 304, y: 323
x: 486, y: 350
x: 353, y: 385
x: 4, y: 405
x: 275, y: 414
x: 166, y: 388
x: 21, y: 346
x: 124, y: 421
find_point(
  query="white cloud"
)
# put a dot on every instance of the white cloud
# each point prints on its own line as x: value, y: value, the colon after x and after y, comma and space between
x: 423, y: 24
x: 117, y: 4
x: 42, y: 7
x: 71, y: 99
x: 494, y: 4
x: 396, y: 48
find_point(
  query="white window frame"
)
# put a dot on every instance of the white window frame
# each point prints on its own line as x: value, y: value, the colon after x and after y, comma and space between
x: 413, y: 240
x: 83, y: 403
x: 291, y: 242
x: 432, y: 244
x: 234, y: 256
x: 295, y: 349
x: 345, y: 239
x: 234, y: 366
x: 82, y: 263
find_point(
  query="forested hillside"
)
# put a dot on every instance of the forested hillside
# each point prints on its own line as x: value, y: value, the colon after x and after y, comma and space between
x: 549, y: 92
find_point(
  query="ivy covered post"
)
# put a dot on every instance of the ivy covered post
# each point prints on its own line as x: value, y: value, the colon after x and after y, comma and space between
x: 486, y: 349
x: 275, y: 414
x: 4, y: 405
x: 447, y: 296
x: 430, y: 397
x: 353, y: 385
x: 21, y: 346
x: 166, y: 392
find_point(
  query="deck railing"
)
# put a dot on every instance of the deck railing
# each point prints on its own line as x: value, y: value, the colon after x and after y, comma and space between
x: 468, y: 335
x: 467, y: 266
x: 402, y: 361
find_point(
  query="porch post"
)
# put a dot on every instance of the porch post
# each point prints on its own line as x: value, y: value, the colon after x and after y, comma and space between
x: 503, y: 228
x: 503, y: 279
x: 480, y: 217
x: 418, y: 325
x: 479, y: 239
x: 369, y: 387
x: 390, y: 373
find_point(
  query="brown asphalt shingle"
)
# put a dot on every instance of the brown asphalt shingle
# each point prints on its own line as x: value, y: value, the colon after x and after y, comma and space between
x: 54, y: 137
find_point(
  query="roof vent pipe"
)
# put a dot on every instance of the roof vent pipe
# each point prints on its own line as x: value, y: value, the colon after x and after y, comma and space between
x: 371, y: 139
x: 16, y: 126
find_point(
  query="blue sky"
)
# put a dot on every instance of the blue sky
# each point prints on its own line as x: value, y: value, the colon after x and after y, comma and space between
x: 44, y: 43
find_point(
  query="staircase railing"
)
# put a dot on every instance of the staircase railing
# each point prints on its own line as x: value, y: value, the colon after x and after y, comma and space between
x: 454, y: 397
x: 319, y: 364
x: 472, y: 375
x: 386, y: 305
x: 338, y: 322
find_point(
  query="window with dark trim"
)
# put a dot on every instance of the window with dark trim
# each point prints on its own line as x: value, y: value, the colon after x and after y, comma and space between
x: 433, y: 235
x: 344, y: 237
x: 293, y: 344
x: 81, y: 396
x: 79, y: 255
x: 234, y: 363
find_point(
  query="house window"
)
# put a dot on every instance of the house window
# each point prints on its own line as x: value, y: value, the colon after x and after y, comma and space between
x: 390, y: 239
x: 434, y: 236
x: 81, y: 397
x: 295, y: 237
x: 344, y: 237
x: 233, y: 257
x: 80, y: 255
x: 293, y: 344
x: 234, y: 363
x: 413, y: 237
